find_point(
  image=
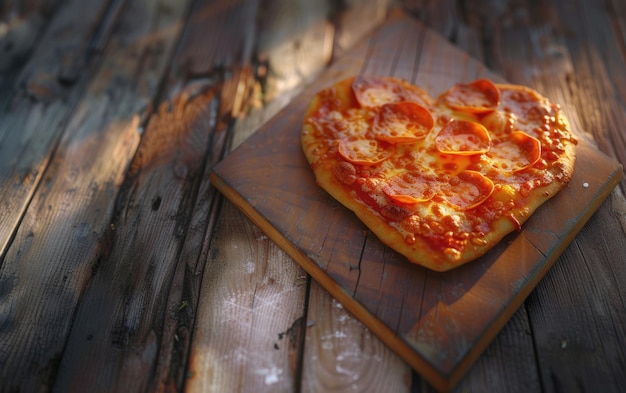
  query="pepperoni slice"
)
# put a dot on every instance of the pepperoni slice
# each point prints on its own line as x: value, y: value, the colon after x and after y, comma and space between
x: 480, y: 96
x: 376, y: 91
x: 463, y: 137
x: 469, y: 189
x: 409, y: 188
x: 336, y: 98
x: 363, y: 151
x: 518, y: 152
x: 402, y: 122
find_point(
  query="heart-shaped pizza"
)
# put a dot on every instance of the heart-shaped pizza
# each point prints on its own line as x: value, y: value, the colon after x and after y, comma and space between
x: 440, y: 180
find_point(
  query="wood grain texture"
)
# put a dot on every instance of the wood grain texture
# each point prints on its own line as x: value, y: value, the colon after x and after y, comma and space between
x: 342, y: 355
x: 508, y: 364
x: 138, y: 336
x: 229, y: 24
x: 440, y: 16
x: 295, y: 43
x: 45, y: 46
x: 21, y: 26
x: 59, y: 241
x: 250, y: 316
x: 36, y: 103
x: 355, y: 20
x: 424, y: 309
x: 118, y: 330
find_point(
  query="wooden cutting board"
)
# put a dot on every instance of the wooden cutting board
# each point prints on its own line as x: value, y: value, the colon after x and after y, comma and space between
x: 438, y: 322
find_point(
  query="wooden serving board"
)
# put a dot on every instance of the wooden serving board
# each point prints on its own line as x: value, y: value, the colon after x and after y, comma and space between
x: 438, y: 322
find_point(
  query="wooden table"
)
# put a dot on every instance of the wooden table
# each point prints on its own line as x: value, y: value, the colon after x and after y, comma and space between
x: 123, y: 269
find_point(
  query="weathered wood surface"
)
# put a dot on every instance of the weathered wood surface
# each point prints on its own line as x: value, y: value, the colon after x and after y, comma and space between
x: 105, y: 213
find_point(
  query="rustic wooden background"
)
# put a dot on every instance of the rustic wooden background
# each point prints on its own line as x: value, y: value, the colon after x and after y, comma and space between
x: 122, y: 269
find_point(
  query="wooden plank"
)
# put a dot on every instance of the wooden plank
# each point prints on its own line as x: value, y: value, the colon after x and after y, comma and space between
x: 118, y: 335
x: 615, y: 12
x: 342, y: 354
x: 65, y: 227
x: 439, y: 15
x: 183, y: 293
x: 599, y: 59
x: 355, y: 20
x: 233, y: 88
x: 247, y: 277
x: 588, y: 323
x: 169, y: 208
x: 21, y: 26
x: 250, y: 313
x: 295, y: 43
x: 36, y: 106
x: 488, y: 287
x: 222, y: 43
x: 583, y: 47
x: 508, y: 364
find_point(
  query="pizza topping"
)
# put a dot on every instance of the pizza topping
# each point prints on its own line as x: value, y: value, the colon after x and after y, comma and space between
x: 345, y: 172
x: 463, y: 137
x: 412, y: 224
x: 480, y: 96
x: 363, y: 151
x: 335, y: 99
x: 402, y: 122
x: 499, y: 123
x: 409, y: 188
x: 394, y: 212
x: 516, y: 153
x: 375, y: 91
x: 468, y: 190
